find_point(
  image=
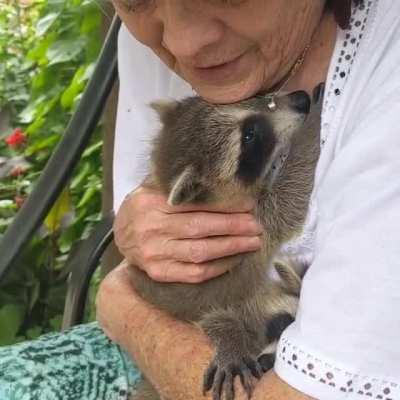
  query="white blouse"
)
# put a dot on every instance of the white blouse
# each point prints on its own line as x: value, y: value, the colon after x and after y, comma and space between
x: 345, y: 342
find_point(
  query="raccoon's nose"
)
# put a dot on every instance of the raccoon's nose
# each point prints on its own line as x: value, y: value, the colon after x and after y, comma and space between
x: 300, y: 101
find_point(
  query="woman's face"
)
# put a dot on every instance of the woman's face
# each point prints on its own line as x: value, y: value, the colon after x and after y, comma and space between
x: 226, y: 50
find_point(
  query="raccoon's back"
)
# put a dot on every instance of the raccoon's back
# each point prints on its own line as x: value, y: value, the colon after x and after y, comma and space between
x: 190, y: 302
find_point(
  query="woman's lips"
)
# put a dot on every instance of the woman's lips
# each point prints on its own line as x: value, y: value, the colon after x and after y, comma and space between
x: 217, y: 73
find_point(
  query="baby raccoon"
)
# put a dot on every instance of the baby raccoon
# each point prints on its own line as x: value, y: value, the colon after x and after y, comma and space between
x: 217, y: 153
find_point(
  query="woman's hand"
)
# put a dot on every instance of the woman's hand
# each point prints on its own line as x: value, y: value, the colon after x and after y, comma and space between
x: 184, y: 243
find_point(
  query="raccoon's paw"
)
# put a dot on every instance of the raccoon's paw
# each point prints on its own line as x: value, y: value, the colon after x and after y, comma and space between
x: 220, y: 375
x: 266, y: 361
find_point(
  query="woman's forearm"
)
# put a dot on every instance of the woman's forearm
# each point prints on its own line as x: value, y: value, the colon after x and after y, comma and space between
x: 173, y: 355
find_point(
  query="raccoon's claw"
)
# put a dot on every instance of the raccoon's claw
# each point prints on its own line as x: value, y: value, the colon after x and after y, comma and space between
x: 220, y: 377
x: 208, y: 377
x: 266, y: 361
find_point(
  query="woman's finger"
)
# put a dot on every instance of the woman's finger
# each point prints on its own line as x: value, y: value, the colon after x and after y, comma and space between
x: 204, y: 224
x: 173, y: 271
x: 234, y: 206
x: 202, y: 250
x: 157, y: 200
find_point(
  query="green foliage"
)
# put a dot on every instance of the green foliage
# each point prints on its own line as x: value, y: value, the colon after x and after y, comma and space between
x: 48, y: 49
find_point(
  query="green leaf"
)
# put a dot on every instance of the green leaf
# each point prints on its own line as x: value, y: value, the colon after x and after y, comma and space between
x: 87, y: 196
x: 56, y: 322
x: 11, y: 318
x: 89, y: 69
x: 67, y: 239
x: 43, y: 79
x: 61, y: 207
x: 76, y: 86
x: 35, y: 126
x: 92, y: 149
x: 45, y: 23
x: 28, y: 113
x: 92, y: 48
x: 43, y: 143
x: 38, y: 108
x: 5, y: 222
x: 91, y: 20
x: 34, y: 333
x: 56, y: 4
x: 7, y: 204
x: 83, y: 172
x: 38, y: 52
x: 65, y: 50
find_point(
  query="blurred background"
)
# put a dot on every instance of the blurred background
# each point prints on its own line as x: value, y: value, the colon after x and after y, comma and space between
x: 48, y: 49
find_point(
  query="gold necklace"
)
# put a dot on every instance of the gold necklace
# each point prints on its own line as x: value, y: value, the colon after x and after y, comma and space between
x: 270, y: 97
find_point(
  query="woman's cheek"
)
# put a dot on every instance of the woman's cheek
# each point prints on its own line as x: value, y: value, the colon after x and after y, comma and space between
x: 148, y: 30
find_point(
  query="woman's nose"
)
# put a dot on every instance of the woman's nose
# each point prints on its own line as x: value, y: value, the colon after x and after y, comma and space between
x: 188, y: 29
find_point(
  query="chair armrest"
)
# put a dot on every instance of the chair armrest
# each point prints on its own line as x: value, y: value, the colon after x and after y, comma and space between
x: 82, y: 263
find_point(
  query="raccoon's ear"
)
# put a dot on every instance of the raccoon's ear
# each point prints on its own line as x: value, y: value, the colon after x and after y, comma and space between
x: 186, y: 189
x: 164, y: 108
x: 290, y: 280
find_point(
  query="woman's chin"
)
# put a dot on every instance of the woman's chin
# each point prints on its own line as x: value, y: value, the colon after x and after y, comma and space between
x: 226, y: 94
x: 221, y: 95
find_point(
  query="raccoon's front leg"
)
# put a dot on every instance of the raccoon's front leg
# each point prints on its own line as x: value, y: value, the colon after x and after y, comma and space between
x: 235, y: 353
x: 280, y: 309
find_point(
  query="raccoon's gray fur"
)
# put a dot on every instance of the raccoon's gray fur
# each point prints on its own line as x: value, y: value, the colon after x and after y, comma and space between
x: 216, y: 153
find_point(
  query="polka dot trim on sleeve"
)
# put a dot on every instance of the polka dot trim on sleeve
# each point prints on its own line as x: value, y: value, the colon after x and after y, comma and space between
x: 301, y: 249
x: 336, y: 378
x: 345, y: 54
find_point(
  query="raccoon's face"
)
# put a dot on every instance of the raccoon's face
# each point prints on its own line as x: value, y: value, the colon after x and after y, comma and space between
x: 206, y: 151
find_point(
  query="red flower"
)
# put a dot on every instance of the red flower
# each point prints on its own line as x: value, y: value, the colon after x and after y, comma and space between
x: 17, y: 171
x: 19, y: 201
x: 16, y: 139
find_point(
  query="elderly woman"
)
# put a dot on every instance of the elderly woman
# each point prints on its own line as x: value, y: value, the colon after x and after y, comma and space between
x: 344, y: 343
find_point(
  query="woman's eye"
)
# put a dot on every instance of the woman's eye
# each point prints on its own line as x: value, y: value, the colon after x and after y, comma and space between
x: 225, y: 3
x: 137, y: 5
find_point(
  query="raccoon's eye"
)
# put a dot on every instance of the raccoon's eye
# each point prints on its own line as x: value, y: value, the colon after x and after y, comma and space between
x: 257, y: 144
x: 249, y: 135
x: 252, y: 129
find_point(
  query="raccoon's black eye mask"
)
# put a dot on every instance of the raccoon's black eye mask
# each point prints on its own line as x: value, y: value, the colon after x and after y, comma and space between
x: 257, y: 144
x: 256, y: 130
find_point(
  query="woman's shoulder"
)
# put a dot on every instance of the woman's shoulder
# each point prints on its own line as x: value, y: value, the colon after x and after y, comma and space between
x: 380, y: 57
x: 373, y: 81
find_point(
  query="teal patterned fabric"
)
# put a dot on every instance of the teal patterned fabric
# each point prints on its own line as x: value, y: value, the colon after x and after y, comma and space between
x: 78, y: 364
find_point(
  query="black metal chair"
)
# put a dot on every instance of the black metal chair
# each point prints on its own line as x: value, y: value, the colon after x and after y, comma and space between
x: 85, y: 255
